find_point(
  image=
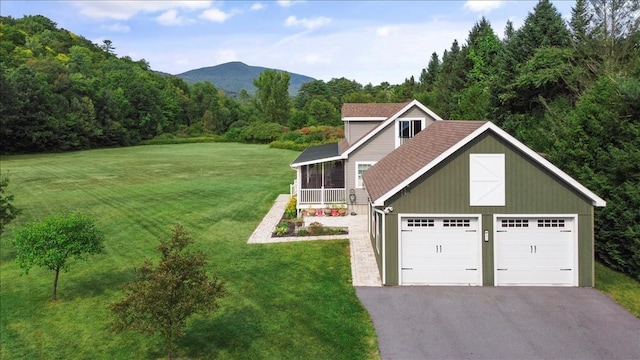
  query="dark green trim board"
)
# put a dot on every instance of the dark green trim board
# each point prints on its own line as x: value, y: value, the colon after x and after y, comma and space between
x: 529, y: 188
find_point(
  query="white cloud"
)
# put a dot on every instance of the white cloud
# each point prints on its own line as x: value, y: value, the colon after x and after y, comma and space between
x: 215, y: 15
x: 288, y: 3
x: 117, y: 27
x: 171, y: 17
x: 483, y: 6
x: 313, y: 59
x: 386, y: 30
x: 307, y: 23
x: 258, y: 6
x: 225, y: 56
x: 123, y: 10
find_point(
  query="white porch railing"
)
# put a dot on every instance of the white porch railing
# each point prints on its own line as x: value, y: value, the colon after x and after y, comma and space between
x: 321, y: 196
x: 293, y: 188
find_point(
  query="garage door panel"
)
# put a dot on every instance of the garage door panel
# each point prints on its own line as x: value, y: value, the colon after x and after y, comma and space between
x: 440, y: 251
x: 440, y: 277
x: 535, y: 251
x: 541, y: 277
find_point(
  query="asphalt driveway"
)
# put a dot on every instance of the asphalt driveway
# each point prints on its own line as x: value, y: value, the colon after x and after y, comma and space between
x: 429, y: 322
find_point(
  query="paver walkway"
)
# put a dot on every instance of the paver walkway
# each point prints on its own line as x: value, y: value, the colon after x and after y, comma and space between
x: 364, y: 269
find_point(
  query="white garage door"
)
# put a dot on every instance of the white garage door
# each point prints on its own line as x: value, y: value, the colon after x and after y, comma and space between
x: 535, y: 251
x: 440, y: 251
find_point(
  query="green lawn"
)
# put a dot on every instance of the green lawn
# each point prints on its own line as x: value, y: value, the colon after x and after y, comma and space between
x: 621, y: 288
x: 285, y: 301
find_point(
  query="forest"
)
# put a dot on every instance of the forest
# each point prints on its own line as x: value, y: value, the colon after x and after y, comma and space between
x: 568, y: 89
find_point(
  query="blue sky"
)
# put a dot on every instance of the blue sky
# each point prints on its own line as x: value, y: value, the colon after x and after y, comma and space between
x: 369, y: 42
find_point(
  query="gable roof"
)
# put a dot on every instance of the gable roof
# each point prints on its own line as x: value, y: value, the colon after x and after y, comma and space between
x: 312, y: 155
x: 436, y: 143
x: 371, y: 110
x: 390, y: 120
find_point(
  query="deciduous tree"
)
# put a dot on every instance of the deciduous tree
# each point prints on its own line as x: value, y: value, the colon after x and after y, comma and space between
x: 56, y: 240
x: 272, y: 96
x: 161, y: 298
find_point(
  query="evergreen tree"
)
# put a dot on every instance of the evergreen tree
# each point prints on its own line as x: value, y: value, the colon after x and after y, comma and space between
x: 580, y: 22
x: 544, y: 27
x: 428, y: 76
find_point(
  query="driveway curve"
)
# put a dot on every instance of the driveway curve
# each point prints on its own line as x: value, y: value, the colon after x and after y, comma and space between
x: 500, y: 323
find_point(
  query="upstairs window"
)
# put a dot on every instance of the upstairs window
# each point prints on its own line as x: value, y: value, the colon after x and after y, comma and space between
x: 408, y: 129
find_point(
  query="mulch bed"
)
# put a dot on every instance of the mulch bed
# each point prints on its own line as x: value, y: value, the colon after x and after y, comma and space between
x: 314, y: 229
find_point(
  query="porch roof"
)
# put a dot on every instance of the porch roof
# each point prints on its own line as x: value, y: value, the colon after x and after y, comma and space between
x: 317, y: 154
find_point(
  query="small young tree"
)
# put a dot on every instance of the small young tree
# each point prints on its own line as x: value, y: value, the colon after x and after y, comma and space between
x: 52, y: 242
x: 8, y: 212
x: 161, y: 299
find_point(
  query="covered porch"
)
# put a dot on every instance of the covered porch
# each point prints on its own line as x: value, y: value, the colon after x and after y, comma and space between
x: 320, y: 184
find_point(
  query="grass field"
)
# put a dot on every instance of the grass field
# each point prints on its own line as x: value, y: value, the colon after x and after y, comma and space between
x: 286, y: 301
x: 621, y: 288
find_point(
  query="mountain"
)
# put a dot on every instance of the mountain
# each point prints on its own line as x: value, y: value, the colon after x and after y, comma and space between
x: 235, y: 76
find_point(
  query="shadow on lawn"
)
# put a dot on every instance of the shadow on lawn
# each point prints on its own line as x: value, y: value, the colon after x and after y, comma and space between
x: 92, y: 284
x: 232, y: 330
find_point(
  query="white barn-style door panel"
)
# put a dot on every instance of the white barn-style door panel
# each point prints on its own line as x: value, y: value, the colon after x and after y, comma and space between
x: 440, y: 251
x: 487, y: 180
x: 538, y: 250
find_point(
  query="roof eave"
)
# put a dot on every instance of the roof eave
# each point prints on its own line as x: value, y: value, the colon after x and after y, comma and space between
x: 364, y: 118
x: 317, y: 161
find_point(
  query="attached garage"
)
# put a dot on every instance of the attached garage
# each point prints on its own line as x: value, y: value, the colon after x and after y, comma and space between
x: 441, y: 250
x: 465, y: 203
x: 536, y: 250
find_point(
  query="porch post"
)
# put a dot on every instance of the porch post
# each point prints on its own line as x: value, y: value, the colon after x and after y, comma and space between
x: 322, y: 187
x: 298, y: 185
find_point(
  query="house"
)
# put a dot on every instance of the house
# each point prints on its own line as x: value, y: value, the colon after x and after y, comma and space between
x: 465, y: 203
x: 332, y: 173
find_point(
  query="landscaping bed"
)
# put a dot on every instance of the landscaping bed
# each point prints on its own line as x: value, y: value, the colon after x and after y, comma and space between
x: 290, y: 225
x: 294, y: 227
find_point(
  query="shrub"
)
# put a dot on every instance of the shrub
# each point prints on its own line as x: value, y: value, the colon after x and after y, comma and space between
x: 281, y: 229
x: 291, y: 210
x: 315, y: 228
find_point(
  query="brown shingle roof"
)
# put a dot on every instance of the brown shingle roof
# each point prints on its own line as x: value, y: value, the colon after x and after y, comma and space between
x: 409, y: 158
x: 372, y: 109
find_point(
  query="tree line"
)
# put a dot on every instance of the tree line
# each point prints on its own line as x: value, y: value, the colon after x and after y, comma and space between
x: 568, y: 89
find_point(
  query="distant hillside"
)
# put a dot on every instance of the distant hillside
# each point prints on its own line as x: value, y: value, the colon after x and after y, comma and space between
x: 235, y: 76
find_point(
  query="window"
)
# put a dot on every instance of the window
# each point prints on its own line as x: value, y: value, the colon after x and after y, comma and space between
x: 511, y: 223
x: 361, y: 167
x: 420, y: 222
x: 378, y: 232
x: 551, y: 223
x: 408, y: 129
x: 456, y: 223
x: 487, y: 180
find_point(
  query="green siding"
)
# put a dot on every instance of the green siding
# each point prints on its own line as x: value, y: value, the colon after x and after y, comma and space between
x: 530, y: 189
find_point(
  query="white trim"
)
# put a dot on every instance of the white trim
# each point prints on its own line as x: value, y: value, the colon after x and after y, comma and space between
x: 383, y: 256
x: 480, y: 234
x: 364, y: 118
x: 318, y: 161
x: 423, y: 122
x: 389, y: 121
x: 595, y: 199
x: 576, y: 236
x: 361, y: 186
